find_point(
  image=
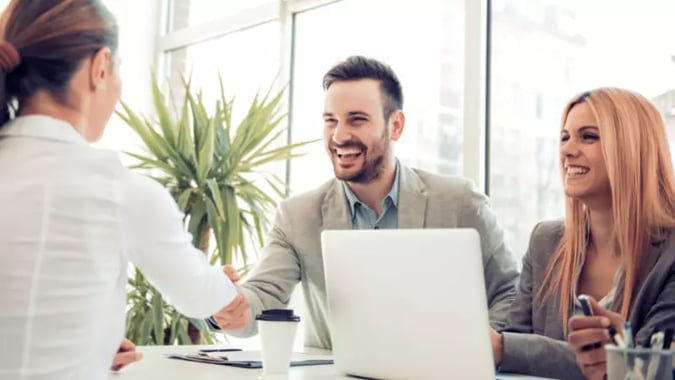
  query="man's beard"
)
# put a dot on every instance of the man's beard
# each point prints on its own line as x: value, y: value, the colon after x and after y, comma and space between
x: 373, y: 160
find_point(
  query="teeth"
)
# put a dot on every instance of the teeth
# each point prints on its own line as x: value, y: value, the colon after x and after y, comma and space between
x: 346, y: 152
x: 576, y: 170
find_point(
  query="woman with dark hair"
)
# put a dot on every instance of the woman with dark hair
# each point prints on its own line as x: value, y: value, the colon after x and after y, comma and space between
x: 72, y: 216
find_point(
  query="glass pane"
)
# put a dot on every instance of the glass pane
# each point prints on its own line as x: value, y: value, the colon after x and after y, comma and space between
x: 188, y: 13
x: 545, y: 52
x: 247, y: 61
x: 136, y: 49
x: 428, y: 61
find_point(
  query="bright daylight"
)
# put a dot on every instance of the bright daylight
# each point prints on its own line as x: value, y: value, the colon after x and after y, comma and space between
x: 337, y: 189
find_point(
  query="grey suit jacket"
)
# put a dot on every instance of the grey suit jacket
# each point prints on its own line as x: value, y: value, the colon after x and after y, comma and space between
x: 533, y: 340
x: 292, y: 252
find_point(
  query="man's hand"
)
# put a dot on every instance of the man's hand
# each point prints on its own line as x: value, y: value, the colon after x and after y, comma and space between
x: 497, y: 346
x: 235, y: 315
x: 231, y: 273
x: 126, y: 355
x: 585, y: 332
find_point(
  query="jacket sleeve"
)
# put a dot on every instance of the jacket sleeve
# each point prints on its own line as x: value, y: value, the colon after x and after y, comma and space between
x: 529, y: 353
x: 155, y: 240
x: 275, y: 276
x: 656, y: 307
x: 499, y: 266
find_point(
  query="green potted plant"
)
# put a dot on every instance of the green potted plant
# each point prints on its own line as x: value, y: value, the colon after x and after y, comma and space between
x: 215, y: 171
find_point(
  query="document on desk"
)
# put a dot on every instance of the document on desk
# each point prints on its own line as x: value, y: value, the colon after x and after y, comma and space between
x: 249, y: 359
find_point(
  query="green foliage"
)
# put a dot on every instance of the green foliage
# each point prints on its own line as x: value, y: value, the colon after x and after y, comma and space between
x: 215, y: 172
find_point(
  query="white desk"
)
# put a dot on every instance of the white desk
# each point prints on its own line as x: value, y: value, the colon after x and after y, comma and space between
x: 156, y: 366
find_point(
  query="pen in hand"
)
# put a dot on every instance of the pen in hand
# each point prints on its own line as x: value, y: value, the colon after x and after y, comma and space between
x: 586, y: 308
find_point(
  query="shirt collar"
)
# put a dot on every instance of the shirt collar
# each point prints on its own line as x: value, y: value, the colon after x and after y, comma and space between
x: 42, y: 127
x: 392, y: 195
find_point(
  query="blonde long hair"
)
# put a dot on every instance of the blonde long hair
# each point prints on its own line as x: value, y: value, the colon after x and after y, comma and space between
x: 635, y: 148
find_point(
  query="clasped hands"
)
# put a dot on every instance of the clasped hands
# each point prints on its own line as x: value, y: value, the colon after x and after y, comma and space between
x: 231, y: 317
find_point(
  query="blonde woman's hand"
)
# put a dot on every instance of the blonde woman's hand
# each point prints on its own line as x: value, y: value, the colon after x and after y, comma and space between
x: 497, y: 346
x: 588, y: 336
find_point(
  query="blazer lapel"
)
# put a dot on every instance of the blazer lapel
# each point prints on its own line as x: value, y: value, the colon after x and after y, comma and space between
x: 652, y: 255
x: 334, y: 210
x: 412, y: 199
x: 649, y: 259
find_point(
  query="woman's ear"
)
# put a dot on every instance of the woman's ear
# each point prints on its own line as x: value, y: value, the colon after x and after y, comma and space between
x: 100, y: 69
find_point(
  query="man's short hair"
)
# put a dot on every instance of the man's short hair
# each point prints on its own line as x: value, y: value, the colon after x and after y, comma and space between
x: 358, y: 67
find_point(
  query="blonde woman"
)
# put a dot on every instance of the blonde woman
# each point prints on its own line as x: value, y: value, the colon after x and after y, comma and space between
x: 616, y: 243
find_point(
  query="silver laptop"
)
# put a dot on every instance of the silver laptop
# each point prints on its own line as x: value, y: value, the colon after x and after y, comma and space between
x: 407, y: 304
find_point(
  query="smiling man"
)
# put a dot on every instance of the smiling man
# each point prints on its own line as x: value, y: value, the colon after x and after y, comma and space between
x: 363, y: 117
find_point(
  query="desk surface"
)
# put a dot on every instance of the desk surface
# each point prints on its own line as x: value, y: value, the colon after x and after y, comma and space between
x: 155, y: 365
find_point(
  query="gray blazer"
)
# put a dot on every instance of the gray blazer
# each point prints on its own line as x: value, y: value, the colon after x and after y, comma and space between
x: 533, y: 340
x: 292, y: 252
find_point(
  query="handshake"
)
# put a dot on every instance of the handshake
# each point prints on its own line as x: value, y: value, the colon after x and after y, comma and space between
x: 235, y: 315
x: 231, y: 317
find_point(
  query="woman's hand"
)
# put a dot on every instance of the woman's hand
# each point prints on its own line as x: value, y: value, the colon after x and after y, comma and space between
x: 586, y: 333
x: 126, y: 355
x: 497, y: 346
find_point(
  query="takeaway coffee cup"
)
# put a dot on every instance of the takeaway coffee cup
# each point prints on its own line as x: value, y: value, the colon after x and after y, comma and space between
x: 277, y: 329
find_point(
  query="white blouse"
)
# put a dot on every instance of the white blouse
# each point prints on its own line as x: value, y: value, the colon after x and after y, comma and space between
x: 71, y: 219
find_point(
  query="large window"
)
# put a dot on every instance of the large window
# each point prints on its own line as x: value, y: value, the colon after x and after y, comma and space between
x: 545, y: 52
x: 138, y: 27
x: 424, y: 46
x: 247, y: 61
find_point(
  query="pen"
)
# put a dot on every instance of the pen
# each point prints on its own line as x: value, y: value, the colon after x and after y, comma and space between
x: 612, y: 334
x: 654, y: 359
x: 639, y: 361
x: 586, y: 307
x: 667, y: 338
x: 219, y: 349
x: 628, y: 334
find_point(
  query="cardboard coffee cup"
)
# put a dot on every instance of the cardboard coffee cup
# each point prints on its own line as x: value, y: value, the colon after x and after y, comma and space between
x: 277, y: 329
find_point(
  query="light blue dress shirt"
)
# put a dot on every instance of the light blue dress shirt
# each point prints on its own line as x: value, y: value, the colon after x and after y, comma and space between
x: 365, y: 218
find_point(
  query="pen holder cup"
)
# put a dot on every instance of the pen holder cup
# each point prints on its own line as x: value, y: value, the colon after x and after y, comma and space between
x: 639, y: 363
